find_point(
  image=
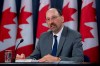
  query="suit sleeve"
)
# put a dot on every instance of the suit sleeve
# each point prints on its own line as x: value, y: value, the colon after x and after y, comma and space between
x: 36, y: 53
x: 77, y: 51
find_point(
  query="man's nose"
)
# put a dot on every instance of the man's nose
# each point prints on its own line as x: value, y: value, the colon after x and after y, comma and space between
x: 51, y: 21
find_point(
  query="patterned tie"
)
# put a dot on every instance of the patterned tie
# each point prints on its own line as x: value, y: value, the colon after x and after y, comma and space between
x: 54, y: 50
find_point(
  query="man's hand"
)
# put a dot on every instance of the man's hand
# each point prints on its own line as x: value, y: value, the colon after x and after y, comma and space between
x: 49, y: 58
x: 22, y: 56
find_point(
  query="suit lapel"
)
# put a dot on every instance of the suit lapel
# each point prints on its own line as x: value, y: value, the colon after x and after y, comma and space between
x: 49, y: 42
x: 62, y: 40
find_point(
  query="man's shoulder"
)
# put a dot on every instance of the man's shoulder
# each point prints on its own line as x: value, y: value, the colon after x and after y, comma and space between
x: 72, y: 32
x: 46, y: 33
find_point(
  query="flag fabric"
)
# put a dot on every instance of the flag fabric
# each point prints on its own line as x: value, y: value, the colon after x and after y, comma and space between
x: 25, y: 29
x: 42, y: 26
x: 8, y: 28
x: 11, y: 33
x: 88, y: 30
x: 70, y: 13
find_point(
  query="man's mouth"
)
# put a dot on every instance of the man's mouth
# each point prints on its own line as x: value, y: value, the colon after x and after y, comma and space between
x: 52, y: 26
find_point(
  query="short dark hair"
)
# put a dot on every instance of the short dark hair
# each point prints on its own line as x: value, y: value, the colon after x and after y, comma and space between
x: 59, y: 11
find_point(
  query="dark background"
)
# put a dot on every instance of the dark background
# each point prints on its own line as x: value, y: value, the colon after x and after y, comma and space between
x: 57, y: 4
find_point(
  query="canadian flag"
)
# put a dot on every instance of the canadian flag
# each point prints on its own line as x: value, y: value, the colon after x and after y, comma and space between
x: 88, y: 29
x: 8, y: 28
x: 25, y: 28
x: 42, y: 26
x: 70, y: 13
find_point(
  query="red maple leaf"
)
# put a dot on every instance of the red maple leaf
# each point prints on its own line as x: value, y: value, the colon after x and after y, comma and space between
x: 23, y: 20
x: 23, y: 16
x: 41, y: 20
x: 68, y: 12
x: 18, y: 33
x: 4, y: 34
x: 88, y: 15
x: 7, y: 18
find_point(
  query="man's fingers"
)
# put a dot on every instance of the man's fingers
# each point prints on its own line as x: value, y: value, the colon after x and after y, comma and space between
x: 42, y: 60
x: 22, y: 56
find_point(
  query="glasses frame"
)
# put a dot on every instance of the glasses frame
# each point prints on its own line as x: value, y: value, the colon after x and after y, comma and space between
x: 52, y: 18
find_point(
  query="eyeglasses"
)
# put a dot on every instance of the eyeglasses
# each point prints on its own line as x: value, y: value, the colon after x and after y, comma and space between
x: 52, y: 18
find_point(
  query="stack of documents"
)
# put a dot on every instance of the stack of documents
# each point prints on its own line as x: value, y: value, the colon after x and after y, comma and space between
x: 26, y: 60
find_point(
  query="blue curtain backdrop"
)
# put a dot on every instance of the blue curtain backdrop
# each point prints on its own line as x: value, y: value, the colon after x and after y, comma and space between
x: 56, y: 4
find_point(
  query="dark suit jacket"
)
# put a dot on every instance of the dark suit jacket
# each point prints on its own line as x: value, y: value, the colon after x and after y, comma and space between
x: 69, y: 49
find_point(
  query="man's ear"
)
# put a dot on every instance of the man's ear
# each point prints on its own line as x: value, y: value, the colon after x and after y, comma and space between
x: 62, y: 17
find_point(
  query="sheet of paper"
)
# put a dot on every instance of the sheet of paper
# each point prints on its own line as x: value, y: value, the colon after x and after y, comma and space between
x: 26, y: 60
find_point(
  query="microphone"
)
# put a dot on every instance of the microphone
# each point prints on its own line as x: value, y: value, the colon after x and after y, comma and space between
x: 16, y: 49
x: 19, y: 43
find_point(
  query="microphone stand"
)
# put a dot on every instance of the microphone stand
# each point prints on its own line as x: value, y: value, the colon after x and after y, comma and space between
x: 16, y: 50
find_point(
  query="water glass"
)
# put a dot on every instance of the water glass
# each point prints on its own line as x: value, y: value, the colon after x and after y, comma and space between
x: 8, y: 55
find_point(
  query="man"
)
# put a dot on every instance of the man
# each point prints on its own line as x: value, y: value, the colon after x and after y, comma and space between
x: 69, y: 46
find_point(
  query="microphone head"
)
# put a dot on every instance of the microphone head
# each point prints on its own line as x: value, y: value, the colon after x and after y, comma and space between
x: 21, y: 40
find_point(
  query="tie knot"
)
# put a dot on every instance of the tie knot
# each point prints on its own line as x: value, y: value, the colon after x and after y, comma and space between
x: 55, y: 36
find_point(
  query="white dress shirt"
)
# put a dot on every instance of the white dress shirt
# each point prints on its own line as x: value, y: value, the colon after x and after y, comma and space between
x: 58, y: 36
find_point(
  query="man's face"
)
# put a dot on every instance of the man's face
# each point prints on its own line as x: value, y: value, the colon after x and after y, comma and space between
x: 54, y: 20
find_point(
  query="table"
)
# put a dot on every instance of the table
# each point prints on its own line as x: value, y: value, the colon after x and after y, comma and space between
x: 47, y: 64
